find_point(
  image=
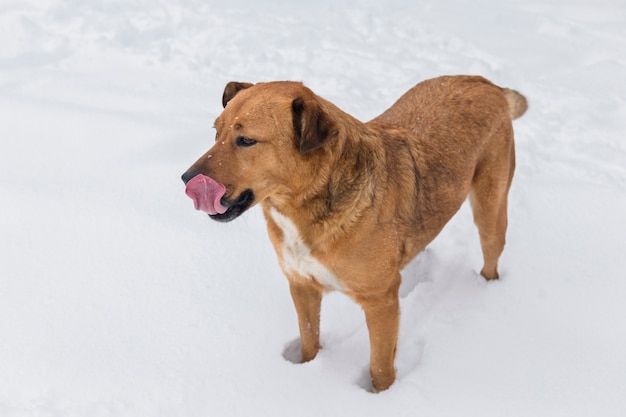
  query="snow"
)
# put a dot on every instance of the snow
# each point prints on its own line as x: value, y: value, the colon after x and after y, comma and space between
x: 118, y: 299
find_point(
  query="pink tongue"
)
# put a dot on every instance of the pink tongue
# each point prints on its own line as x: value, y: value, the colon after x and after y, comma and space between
x: 206, y: 194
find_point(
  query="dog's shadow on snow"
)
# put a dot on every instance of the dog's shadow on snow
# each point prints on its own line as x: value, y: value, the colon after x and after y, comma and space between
x: 415, y: 273
x: 293, y: 352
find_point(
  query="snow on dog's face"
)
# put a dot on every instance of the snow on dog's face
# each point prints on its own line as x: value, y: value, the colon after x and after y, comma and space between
x: 265, y: 145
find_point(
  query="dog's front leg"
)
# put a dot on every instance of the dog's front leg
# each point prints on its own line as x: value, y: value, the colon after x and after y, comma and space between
x: 307, y: 298
x: 382, y: 314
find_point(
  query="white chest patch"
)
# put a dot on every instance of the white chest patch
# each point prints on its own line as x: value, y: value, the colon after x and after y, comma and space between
x: 296, y: 255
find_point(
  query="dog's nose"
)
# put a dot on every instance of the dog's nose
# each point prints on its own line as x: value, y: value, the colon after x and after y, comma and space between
x: 187, y: 176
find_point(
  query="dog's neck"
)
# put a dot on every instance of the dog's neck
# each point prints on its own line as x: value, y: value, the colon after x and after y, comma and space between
x: 340, y: 185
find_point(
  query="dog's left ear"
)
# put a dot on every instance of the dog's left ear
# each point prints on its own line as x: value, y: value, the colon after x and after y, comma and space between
x: 231, y: 90
x: 312, y: 126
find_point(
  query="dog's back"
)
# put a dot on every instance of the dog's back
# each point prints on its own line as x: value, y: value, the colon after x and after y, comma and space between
x: 461, y: 105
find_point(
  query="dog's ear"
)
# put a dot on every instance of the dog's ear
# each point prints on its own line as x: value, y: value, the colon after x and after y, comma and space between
x: 312, y: 126
x: 231, y: 90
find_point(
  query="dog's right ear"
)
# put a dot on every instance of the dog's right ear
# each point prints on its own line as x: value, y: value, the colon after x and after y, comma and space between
x: 313, y: 127
x: 231, y: 90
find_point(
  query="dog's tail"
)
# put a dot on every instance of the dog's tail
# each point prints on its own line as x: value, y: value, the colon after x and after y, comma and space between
x: 517, y: 102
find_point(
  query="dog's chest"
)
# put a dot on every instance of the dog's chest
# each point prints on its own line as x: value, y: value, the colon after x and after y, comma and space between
x: 297, y: 257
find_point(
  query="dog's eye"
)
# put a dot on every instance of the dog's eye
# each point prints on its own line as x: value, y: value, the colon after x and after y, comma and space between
x: 244, y: 141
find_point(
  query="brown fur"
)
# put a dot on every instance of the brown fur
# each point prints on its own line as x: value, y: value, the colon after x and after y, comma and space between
x: 368, y: 197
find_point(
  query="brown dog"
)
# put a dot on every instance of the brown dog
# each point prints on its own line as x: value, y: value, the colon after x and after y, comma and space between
x: 349, y: 204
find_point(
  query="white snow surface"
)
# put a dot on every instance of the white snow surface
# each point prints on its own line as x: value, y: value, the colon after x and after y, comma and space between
x: 118, y: 299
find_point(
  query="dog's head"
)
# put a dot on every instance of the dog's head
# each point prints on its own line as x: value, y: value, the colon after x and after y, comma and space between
x: 267, y: 142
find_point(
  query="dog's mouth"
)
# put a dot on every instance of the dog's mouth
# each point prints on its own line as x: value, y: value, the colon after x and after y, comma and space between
x: 208, y: 196
x: 234, y: 208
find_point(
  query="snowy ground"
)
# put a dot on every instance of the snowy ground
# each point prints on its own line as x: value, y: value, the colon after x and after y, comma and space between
x: 118, y: 299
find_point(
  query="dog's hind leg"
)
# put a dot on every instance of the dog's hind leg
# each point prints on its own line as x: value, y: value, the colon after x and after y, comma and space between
x: 307, y: 298
x: 488, y: 197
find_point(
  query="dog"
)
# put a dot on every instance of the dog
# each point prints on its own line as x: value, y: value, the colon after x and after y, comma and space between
x: 348, y: 204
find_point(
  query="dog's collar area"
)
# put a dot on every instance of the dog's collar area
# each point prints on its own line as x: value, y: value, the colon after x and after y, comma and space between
x: 236, y: 207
